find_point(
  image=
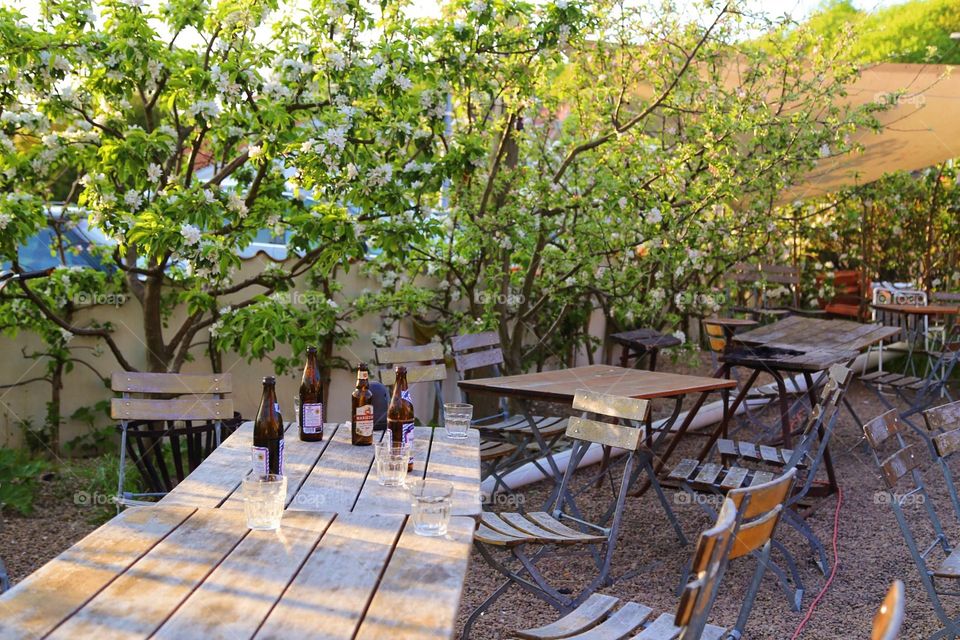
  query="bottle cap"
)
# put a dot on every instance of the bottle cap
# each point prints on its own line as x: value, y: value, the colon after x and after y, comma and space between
x: 400, y: 369
x: 311, y: 349
x: 269, y: 380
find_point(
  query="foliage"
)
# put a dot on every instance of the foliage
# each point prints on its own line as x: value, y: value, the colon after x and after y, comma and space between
x: 18, y: 480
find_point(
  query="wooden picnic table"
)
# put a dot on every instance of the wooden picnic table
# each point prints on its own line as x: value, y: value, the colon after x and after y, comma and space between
x: 799, y: 333
x: 561, y: 385
x: 919, y: 309
x: 333, y: 475
x: 182, y: 572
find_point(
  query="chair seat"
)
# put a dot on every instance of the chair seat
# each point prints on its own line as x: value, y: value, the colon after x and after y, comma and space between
x: 950, y: 567
x: 716, y: 476
x: 737, y: 449
x: 494, y: 450
x: 510, y: 529
x: 897, y: 380
x: 548, y: 426
x: 593, y: 620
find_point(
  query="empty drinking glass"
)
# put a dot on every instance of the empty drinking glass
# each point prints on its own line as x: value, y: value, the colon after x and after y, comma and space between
x: 263, y: 500
x: 296, y: 410
x: 456, y: 419
x: 430, y: 503
x: 391, y: 461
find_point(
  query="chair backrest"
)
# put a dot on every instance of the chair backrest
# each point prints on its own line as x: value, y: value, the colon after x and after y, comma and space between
x: 606, y: 433
x: 889, y: 618
x: 710, y: 562
x: 424, y: 363
x: 888, y: 294
x: 187, y: 410
x: 942, y: 297
x: 716, y: 336
x: 759, y: 276
x: 182, y: 396
x: 943, y: 422
x: 476, y: 350
x: 761, y: 506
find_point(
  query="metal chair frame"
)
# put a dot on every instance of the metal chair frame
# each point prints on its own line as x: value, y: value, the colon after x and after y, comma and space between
x: 166, y: 398
x: 4, y: 577
x: 601, y: 539
x: 902, y: 470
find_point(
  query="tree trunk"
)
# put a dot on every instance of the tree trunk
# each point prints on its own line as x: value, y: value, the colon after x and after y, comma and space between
x: 158, y: 359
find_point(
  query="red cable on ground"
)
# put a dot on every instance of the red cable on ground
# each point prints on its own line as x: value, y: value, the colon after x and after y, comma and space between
x: 833, y: 571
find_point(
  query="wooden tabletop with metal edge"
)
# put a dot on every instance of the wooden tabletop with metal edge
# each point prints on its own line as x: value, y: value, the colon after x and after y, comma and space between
x: 334, y: 475
x: 561, y: 385
x: 184, y: 572
x: 808, y: 334
x: 919, y: 309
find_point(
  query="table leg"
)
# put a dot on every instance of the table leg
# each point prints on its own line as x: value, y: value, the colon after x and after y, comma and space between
x: 827, y: 459
x: 722, y: 429
x: 785, y: 426
x: 624, y: 356
x: 653, y: 359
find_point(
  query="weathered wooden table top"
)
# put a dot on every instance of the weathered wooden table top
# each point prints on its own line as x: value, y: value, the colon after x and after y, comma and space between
x: 181, y: 572
x: 561, y: 385
x: 646, y: 338
x: 919, y: 309
x: 807, y: 334
x: 333, y: 475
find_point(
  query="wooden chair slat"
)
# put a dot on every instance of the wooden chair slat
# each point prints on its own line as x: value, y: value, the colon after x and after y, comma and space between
x: 611, y: 435
x: 610, y: 405
x: 171, y: 383
x: 489, y: 536
x: 900, y: 464
x: 889, y: 618
x: 950, y: 567
x: 753, y: 535
x: 428, y: 373
x: 882, y: 427
x: 475, y: 341
x: 748, y: 450
x: 945, y: 416
x: 182, y: 408
x: 401, y: 355
x: 727, y: 447
x: 734, y: 478
x: 588, y: 615
x: 536, y: 531
x: 947, y: 443
x: 684, y: 470
x: 553, y: 525
x: 469, y: 361
x: 770, y: 455
x: 619, y: 624
x: 660, y: 629
x: 708, y: 473
x: 498, y: 524
x: 761, y: 477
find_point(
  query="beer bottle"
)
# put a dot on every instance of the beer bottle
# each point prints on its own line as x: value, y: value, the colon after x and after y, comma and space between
x: 311, y: 400
x: 267, y: 450
x: 400, y: 414
x: 361, y: 428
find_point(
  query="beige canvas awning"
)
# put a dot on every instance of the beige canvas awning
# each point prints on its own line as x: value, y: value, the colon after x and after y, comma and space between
x: 922, y: 130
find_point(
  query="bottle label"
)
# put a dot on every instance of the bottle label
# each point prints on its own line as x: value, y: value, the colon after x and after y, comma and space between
x: 364, y: 420
x: 363, y: 375
x: 261, y: 460
x: 406, y: 430
x: 312, y: 418
x: 280, y: 469
x: 405, y: 394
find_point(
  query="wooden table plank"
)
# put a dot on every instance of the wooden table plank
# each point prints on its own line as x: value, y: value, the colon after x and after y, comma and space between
x: 328, y: 597
x: 299, y: 459
x: 800, y: 333
x: 457, y: 461
x: 238, y: 595
x: 919, y: 309
x: 421, y: 588
x: 53, y: 592
x: 140, y: 600
x: 338, y: 478
x: 375, y: 498
x: 562, y: 384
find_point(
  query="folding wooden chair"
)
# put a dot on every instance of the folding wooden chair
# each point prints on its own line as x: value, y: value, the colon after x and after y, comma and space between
x: 508, y: 441
x: 505, y: 539
x: 602, y: 617
x: 181, y: 409
x: 943, y: 440
x: 747, y: 462
x: 937, y: 560
x: 918, y: 394
x: 424, y: 363
x: 889, y: 618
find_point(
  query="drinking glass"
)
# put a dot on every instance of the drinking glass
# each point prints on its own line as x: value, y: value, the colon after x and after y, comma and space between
x: 296, y: 411
x: 263, y: 498
x: 430, y: 503
x: 456, y: 419
x: 391, y: 461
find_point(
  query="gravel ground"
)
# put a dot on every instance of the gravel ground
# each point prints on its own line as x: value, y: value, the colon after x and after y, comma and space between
x: 871, y: 552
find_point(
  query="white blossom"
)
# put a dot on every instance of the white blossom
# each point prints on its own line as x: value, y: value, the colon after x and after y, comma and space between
x: 133, y: 199
x: 561, y: 4
x: 380, y: 176
x: 190, y: 233
x: 654, y: 216
x: 5, y: 219
x: 236, y: 204
x: 337, y: 60
x: 153, y: 172
x: 680, y: 335
x: 378, y: 76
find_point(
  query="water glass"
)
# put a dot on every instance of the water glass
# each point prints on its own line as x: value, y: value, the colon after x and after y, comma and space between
x: 296, y: 410
x: 456, y: 419
x: 391, y: 461
x: 263, y: 500
x: 430, y: 504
